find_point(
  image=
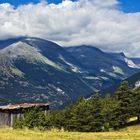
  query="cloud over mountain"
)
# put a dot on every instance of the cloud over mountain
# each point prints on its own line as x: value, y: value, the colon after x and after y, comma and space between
x: 92, y: 22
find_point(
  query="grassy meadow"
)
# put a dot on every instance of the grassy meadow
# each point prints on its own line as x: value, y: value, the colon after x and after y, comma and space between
x: 130, y: 133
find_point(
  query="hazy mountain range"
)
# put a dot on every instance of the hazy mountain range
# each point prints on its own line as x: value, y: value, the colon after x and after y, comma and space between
x: 37, y: 70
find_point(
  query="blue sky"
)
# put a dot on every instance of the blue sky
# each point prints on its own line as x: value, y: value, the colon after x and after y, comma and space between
x: 130, y: 5
x: 19, y: 2
x: 126, y: 5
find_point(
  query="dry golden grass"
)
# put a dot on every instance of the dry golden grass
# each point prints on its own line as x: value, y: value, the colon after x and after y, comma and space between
x: 130, y: 133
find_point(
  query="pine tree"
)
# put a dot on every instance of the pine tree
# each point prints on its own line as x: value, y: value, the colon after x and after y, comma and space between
x: 85, y: 115
x: 110, y: 113
x: 77, y: 116
x: 96, y: 119
x: 124, y: 96
x: 136, y: 103
x: 34, y: 117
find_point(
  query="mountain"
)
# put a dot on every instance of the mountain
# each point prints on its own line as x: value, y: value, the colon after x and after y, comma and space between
x: 131, y: 62
x: 107, y: 68
x: 134, y: 80
x: 37, y: 70
x: 136, y: 61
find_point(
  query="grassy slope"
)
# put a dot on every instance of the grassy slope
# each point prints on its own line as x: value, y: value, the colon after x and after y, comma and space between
x: 130, y: 133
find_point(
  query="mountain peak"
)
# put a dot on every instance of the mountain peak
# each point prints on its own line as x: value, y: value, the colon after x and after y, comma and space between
x: 29, y: 40
x: 121, y: 54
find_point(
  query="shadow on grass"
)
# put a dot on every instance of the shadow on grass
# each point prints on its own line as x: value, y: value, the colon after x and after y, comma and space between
x: 135, y: 122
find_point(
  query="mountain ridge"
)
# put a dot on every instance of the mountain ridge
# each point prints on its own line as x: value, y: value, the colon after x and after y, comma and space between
x: 37, y: 70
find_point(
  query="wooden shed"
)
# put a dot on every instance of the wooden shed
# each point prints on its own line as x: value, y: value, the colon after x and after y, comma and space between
x: 9, y: 113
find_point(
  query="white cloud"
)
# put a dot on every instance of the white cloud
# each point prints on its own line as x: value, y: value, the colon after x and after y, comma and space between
x: 93, y: 22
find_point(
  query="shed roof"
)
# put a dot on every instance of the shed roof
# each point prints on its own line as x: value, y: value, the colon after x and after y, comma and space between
x: 25, y: 105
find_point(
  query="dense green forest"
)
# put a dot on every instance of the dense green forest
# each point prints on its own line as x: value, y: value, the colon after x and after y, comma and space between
x: 96, y: 114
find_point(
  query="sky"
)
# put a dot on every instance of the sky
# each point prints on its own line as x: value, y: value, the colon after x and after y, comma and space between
x: 126, y: 5
x: 111, y: 25
x: 20, y: 2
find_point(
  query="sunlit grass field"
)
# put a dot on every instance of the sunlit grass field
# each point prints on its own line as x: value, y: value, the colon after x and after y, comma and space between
x: 130, y: 133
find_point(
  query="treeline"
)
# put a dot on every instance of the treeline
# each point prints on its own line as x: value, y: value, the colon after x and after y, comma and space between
x: 89, y: 115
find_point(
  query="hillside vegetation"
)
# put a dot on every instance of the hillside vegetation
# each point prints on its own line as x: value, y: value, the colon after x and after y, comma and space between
x: 130, y: 133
